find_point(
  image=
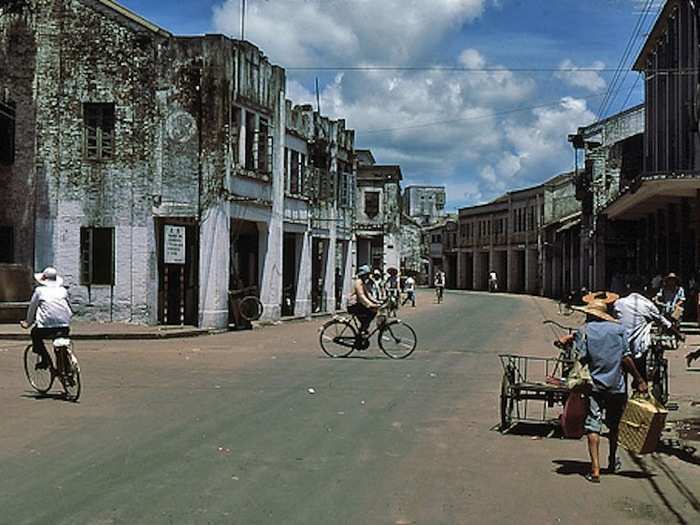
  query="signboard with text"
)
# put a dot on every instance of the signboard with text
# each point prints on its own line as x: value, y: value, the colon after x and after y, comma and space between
x: 174, y: 244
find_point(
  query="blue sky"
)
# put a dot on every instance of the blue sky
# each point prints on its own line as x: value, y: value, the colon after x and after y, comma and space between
x: 487, y: 147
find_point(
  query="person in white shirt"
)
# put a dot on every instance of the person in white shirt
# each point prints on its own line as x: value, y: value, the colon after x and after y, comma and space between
x: 493, y: 281
x: 410, y: 289
x: 49, y: 313
x: 671, y: 297
x: 637, y: 314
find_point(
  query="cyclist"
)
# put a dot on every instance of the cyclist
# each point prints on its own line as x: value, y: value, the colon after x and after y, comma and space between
x: 439, y: 283
x: 671, y: 297
x: 637, y: 314
x: 392, y: 289
x: 50, y: 313
x: 361, y: 304
x: 493, y: 281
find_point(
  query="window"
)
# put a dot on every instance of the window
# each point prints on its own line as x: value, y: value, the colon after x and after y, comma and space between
x: 97, y: 256
x: 7, y: 244
x: 99, y: 131
x: 251, y: 150
x: 372, y: 204
x: 263, y: 140
x: 7, y: 134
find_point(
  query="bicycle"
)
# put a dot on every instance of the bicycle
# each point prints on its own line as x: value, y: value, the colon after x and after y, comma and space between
x: 66, y: 369
x: 439, y: 292
x: 392, y: 303
x: 341, y: 336
x: 657, y: 366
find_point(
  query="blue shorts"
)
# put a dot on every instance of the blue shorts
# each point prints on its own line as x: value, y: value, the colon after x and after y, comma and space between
x: 612, y: 404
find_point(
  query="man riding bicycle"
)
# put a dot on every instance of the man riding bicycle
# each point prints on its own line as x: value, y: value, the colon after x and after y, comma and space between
x: 50, y: 313
x: 439, y: 283
x: 392, y: 289
x: 361, y: 304
x: 637, y: 314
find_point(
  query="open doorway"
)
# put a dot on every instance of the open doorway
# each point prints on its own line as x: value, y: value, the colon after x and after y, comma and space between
x: 290, y: 272
x: 319, y: 259
x: 244, y: 270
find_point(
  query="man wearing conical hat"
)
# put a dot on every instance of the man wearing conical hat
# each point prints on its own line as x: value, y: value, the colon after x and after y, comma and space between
x: 49, y: 313
x: 602, y: 345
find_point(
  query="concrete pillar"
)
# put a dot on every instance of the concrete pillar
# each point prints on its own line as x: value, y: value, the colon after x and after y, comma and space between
x: 214, y: 255
x: 302, y: 306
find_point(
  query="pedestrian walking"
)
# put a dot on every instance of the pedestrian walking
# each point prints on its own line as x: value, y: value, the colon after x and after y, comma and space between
x: 603, y: 347
x: 410, y: 289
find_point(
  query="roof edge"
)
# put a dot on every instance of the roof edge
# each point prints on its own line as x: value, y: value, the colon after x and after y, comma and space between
x: 133, y: 17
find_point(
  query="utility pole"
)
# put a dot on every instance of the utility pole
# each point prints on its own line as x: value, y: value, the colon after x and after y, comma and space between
x: 318, y: 98
x: 242, y: 19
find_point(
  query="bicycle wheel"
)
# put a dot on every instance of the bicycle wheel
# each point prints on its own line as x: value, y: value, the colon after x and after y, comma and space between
x: 70, y: 378
x: 338, y: 338
x: 251, y: 308
x: 41, y: 380
x: 397, y: 340
x: 659, y: 387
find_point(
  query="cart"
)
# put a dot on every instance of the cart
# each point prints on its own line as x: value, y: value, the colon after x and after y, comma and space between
x: 532, y: 386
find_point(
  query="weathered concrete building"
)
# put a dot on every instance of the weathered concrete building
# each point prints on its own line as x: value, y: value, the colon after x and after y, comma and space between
x: 414, y: 261
x: 503, y: 236
x: 425, y: 204
x: 150, y: 168
x: 378, y: 219
x: 613, y: 158
x: 562, y: 253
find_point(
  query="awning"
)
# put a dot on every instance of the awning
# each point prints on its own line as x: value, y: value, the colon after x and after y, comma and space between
x: 651, y: 195
x: 570, y: 224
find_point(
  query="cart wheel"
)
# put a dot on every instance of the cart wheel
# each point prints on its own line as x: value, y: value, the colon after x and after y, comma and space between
x: 507, y: 404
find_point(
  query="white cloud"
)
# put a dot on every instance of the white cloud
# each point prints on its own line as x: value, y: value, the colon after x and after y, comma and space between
x: 441, y: 127
x: 588, y: 79
x: 314, y: 32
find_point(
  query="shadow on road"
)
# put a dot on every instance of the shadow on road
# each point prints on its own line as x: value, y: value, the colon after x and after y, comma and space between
x: 674, y: 447
x: 572, y: 467
x: 40, y: 397
x: 533, y: 431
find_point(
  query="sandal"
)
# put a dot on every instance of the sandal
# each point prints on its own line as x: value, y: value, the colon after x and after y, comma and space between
x: 593, y: 479
x: 614, y: 468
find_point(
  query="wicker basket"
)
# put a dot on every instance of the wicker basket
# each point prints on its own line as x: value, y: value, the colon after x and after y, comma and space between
x: 641, y: 425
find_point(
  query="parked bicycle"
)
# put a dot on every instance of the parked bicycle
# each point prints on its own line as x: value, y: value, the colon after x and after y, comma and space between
x: 63, y: 366
x: 341, y: 336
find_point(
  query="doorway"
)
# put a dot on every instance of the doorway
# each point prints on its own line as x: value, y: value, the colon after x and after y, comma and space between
x: 177, y: 242
x: 319, y: 259
x: 290, y: 273
x: 244, y: 270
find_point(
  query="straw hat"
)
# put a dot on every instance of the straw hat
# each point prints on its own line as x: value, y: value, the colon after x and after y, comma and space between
x: 672, y: 277
x: 597, y: 308
x: 49, y: 277
x: 605, y: 297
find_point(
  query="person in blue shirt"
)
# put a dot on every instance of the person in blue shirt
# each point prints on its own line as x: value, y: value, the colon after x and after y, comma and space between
x: 602, y: 345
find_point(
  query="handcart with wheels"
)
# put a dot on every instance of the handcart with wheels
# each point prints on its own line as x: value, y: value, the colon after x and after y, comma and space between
x: 532, y: 386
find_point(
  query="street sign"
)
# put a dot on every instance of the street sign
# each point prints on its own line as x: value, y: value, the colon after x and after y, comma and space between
x: 174, y: 243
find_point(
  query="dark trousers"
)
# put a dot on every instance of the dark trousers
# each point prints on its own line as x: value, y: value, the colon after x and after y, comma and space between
x: 363, y: 314
x: 38, y: 336
x: 410, y: 296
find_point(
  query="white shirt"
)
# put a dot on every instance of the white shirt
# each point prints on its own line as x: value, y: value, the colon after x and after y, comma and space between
x: 49, y: 307
x: 492, y: 276
x: 637, y: 314
x: 410, y: 284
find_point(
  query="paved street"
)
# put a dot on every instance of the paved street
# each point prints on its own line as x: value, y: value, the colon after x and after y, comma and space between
x: 223, y: 429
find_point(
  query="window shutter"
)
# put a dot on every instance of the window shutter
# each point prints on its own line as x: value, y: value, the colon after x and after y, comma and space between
x: 270, y: 154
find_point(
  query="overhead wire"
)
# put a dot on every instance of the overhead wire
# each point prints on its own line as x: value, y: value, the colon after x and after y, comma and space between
x: 613, y: 86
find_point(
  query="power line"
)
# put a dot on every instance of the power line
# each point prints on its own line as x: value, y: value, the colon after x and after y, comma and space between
x: 607, y: 101
x: 468, y: 119
x: 458, y: 69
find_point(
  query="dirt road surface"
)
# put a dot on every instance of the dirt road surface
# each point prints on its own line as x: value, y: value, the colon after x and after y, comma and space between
x: 223, y: 429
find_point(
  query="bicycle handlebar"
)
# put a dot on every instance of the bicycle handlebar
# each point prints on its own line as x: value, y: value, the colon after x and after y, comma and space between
x: 568, y: 328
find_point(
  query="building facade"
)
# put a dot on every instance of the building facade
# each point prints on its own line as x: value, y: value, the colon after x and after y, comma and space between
x: 378, y: 219
x: 162, y: 174
x: 503, y: 236
x: 425, y: 204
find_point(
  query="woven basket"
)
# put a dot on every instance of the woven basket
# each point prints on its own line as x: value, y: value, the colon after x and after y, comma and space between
x: 641, y: 425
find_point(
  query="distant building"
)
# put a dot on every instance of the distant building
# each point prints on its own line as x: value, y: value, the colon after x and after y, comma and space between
x: 424, y: 204
x: 378, y: 213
